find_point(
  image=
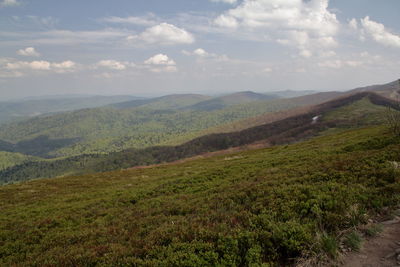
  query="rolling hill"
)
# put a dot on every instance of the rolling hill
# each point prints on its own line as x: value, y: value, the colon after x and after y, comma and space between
x: 229, y: 100
x: 364, y: 109
x: 271, y: 206
x: 25, y: 109
x: 164, y: 102
x: 389, y: 90
x: 108, y: 129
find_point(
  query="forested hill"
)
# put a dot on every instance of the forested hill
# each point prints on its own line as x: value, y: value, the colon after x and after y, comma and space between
x: 27, y: 108
x: 107, y: 129
x: 347, y: 112
x: 228, y: 100
x: 389, y: 90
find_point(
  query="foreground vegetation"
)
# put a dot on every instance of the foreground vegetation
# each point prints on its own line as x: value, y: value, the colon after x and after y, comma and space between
x: 268, y: 206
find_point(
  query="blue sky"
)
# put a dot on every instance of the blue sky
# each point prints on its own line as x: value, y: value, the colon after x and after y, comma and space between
x: 159, y: 47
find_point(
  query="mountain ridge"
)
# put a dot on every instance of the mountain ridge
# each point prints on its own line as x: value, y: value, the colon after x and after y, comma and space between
x: 295, y: 128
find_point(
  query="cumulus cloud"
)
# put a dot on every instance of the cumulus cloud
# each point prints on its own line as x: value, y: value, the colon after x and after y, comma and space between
x: 163, y: 34
x: 41, y: 65
x: 353, y: 24
x: 160, y: 59
x: 226, y: 21
x: 307, y: 25
x: 199, y: 52
x: 28, y: 52
x: 379, y: 33
x: 310, y: 15
x: 111, y: 64
x: 161, y: 63
x: 7, y: 3
x: 33, y: 65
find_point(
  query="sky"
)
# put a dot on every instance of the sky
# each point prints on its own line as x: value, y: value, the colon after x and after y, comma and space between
x: 160, y: 47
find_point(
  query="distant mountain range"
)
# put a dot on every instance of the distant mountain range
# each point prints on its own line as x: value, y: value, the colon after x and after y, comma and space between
x: 103, y: 136
x: 24, y: 109
x: 171, y: 119
x: 351, y: 111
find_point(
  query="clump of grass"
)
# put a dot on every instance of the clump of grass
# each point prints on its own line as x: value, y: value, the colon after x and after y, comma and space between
x: 373, y: 230
x: 329, y: 245
x: 353, y: 241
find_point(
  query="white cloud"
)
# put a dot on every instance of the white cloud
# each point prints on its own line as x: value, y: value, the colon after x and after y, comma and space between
x: 312, y: 15
x: 42, y: 65
x: 338, y: 64
x: 164, y: 69
x: 353, y: 24
x: 379, y: 33
x: 65, y: 66
x: 28, y: 52
x: 200, y: 52
x: 148, y: 20
x: 111, y: 64
x: 163, y: 34
x: 226, y: 21
x: 160, y: 59
x: 6, y: 3
x: 33, y: 65
x: 225, y: 1
x: 161, y: 63
x: 306, y: 25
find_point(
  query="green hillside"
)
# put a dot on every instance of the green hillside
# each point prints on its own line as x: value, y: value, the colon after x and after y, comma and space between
x: 366, y: 109
x: 270, y: 206
x: 222, y: 102
x: 108, y: 129
x: 25, y: 109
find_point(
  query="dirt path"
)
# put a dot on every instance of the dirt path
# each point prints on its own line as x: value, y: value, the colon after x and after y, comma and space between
x: 381, y: 251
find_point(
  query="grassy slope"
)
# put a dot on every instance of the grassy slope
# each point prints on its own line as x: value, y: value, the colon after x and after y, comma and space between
x: 361, y: 112
x: 265, y: 205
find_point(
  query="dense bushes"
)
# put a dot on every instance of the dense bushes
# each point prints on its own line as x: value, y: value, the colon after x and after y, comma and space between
x: 268, y: 206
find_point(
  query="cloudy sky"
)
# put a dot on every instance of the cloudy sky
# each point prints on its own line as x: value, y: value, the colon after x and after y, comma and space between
x: 158, y: 47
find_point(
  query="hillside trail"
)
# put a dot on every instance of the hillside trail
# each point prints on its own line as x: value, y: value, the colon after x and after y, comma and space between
x: 380, y: 251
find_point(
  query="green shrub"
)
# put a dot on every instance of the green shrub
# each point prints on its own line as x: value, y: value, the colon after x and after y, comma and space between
x: 353, y: 241
x: 373, y: 230
x: 329, y: 245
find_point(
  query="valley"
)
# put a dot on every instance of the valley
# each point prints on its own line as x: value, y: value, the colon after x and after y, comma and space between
x: 246, y: 181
